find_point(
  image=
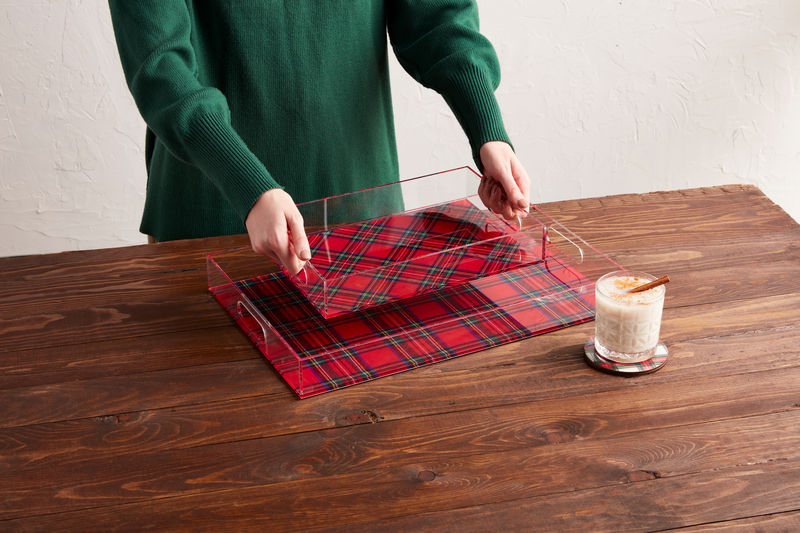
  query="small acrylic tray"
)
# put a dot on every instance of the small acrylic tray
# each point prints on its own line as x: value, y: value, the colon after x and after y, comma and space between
x: 497, y: 284
x: 358, y: 266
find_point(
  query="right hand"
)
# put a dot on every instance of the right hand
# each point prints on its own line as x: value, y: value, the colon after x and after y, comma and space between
x: 275, y: 227
x: 505, y: 186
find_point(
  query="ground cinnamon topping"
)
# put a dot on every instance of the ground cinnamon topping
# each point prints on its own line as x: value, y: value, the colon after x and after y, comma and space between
x: 623, y: 284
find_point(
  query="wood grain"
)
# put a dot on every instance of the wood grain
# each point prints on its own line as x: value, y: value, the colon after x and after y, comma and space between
x: 511, y: 373
x: 120, y: 443
x: 114, y: 320
x: 779, y: 523
x: 619, y: 465
x: 655, y: 505
x: 118, y: 357
x: 131, y: 401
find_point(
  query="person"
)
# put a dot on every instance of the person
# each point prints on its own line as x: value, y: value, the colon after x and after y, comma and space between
x: 252, y: 106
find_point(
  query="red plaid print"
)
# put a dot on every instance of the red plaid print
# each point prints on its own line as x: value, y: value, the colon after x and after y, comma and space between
x: 399, y: 256
x: 315, y: 355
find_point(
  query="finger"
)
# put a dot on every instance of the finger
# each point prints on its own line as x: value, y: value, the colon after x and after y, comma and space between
x: 485, y: 190
x: 501, y: 205
x: 482, y: 190
x: 494, y: 192
x: 297, y: 248
x: 504, y: 208
x: 514, y: 195
x: 289, y: 259
x: 507, y: 211
x: 270, y: 247
x: 299, y: 238
x: 523, y: 182
x: 279, y: 246
x: 515, y: 207
x: 516, y: 184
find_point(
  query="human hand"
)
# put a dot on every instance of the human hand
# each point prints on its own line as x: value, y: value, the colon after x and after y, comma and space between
x: 505, y: 186
x: 276, y: 230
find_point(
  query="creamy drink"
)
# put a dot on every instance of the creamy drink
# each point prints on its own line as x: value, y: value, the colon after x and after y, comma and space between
x: 627, y: 324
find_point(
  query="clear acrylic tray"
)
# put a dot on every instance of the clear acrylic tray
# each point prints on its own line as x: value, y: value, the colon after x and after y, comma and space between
x: 455, y: 279
x: 412, y: 251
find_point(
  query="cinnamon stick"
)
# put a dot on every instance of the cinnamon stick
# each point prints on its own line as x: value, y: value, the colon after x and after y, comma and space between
x: 651, y: 285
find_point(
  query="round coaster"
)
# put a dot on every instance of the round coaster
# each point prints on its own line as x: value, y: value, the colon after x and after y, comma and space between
x: 599, y: 362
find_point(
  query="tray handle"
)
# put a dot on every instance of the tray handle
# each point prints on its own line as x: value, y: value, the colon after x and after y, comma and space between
x: 546, y: 232
x: 253, y: 313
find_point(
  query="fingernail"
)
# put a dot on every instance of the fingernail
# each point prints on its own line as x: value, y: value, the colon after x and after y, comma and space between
x: 305, y: 255
x: 522, y: 203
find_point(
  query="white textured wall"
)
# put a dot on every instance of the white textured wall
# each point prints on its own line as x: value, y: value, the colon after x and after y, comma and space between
x: 71, y: 140
x: 600, y: 97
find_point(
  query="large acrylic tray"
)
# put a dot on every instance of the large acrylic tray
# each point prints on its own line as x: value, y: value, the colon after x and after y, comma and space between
x: 545, y: 282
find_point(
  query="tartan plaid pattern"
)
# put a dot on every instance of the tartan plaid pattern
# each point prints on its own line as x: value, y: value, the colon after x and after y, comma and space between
x: 654, y: 363
x: 315, y: 355
x: 402, y: 255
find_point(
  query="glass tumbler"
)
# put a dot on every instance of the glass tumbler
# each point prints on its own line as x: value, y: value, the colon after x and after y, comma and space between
x: 627, y: 325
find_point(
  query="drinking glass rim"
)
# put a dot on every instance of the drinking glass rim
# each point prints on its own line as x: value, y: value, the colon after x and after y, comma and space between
x: 634, y: 273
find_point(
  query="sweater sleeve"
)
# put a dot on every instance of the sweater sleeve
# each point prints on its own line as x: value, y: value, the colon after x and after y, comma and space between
x: 439, y: 44
x: 191, y: 120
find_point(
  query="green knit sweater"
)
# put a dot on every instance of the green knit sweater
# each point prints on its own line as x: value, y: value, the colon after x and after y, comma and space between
x: 242, y: 96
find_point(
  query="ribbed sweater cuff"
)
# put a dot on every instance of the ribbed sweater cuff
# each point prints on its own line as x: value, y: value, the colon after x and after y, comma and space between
x: 470, y: 94
x: 225, y: 159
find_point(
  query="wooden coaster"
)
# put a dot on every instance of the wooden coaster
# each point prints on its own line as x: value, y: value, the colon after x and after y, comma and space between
x: 599, y: 362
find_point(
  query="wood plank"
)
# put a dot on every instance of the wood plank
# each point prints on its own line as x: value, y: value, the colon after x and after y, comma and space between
x: 141, y: 392
x: 549, y: 364
x: 777, y: 523
x: 734, y: 193
x: 72, y: 264
x: 152, y: 279
x: 630, y: 220
x: 721, y: 456
x: 658, y: 505
x: 736, y: 196
x: 172, y: 271
x: 693, y: 262
x: 148, y: 258
x: 211, y: 439
x: 113, y: 284
x: 705, y: 254
x: 116, y: 320
x: 730, y: 283
x: 263, y: 416
x: 118, y: 357
x: 61, y: 450
x: 86, y: 280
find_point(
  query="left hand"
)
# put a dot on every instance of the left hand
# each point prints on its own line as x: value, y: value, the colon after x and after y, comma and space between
x: 276, y: 230
x: 505, y: 186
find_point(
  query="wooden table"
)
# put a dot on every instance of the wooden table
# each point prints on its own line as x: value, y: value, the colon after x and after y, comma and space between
x: 130, y: 401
